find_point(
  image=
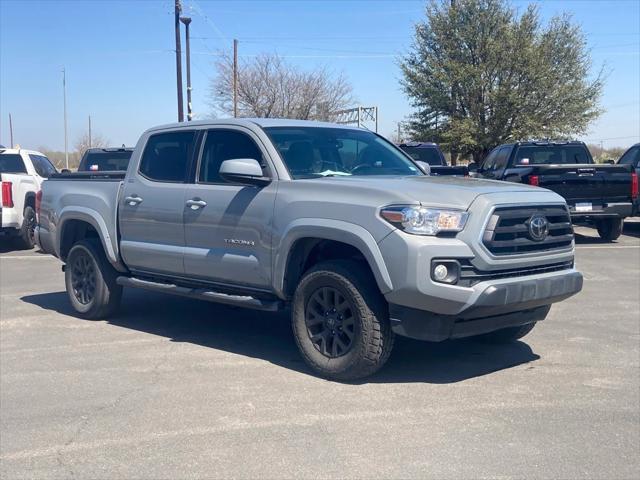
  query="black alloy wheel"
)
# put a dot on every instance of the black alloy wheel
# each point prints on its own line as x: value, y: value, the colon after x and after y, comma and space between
x: 83, y: 278
x: 330, y: 322
x: 31, y: 226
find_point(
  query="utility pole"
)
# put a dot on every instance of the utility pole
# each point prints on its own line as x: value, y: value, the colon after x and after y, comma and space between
x: 11, y: 130
x: 187, y: 21
x: 399, y: 137
x: 235, y: 77
x: 64, y: 97
x: 178, y: 9
x: 89, y: 131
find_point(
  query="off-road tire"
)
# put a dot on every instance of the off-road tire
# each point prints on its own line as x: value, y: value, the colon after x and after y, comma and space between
x: 506, y: 335
x: 26, y: 237
x: 610, y: 229
x: 372, y: 339
x: 106, y: 293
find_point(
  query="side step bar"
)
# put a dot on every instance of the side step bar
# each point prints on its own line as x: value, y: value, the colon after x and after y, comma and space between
x: 203, y: 294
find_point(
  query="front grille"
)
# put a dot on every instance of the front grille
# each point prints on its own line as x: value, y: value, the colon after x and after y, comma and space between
x: 470, y: 275
x: 507, y: 232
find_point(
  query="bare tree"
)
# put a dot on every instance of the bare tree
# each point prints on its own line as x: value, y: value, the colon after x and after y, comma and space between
x: 269, y: 87
x: 82, y: 142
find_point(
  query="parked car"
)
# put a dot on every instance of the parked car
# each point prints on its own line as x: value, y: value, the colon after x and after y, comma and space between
x: 632, y: 157
x: 332, y: 221
x: 105, y: 159
x: 597, y: 194
x: 22, y: 173
x: 431, y: 154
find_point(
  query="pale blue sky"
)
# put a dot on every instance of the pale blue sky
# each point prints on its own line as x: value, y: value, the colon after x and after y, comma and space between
x: 121, y: 68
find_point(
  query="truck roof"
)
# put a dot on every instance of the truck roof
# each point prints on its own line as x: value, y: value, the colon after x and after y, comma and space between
x: 109, y: 149
x: 418, y: 144
x: 249, y: 122
x: 547, y: 142
x: 18, y: 150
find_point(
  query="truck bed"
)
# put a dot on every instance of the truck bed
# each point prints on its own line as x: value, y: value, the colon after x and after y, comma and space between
x: 90, y: 195
x: 587, y: 188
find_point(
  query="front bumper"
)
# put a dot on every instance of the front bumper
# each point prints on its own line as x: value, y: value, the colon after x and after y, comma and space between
x: 498, y: 305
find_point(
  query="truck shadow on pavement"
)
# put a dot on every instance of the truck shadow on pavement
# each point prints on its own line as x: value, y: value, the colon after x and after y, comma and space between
x: 588, y: 235
x: 268, y: 336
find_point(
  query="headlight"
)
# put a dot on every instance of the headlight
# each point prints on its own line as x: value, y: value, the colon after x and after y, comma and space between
x: 425, y: 221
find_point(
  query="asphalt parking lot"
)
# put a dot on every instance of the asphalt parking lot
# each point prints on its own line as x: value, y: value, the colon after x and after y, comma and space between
x: 175, y: 388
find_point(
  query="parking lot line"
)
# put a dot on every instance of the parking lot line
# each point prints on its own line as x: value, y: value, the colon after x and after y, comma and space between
x: 603, y: 247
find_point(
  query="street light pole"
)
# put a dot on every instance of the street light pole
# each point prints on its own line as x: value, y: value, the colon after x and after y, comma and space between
x: 64, y: 97
x: 178, y: 9
x: 11, y: 130
x: 187, y: 21
x: 235, y: 77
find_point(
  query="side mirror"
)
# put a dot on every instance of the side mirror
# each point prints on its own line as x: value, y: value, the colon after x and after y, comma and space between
x: 65, y: 170
x: 245, y: 171
x: 473, y: 167
x: 424, y: 166
x: 609, y: 161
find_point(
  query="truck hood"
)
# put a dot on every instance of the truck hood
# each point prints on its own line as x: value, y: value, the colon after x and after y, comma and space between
x: 452, y: 192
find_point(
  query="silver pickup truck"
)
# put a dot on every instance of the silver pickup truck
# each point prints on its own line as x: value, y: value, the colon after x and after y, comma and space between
x: 332, y: 222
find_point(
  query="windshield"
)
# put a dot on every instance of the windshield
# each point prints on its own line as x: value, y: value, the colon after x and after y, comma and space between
x: 551, y: 155
x: 105, y: 161
x: 430, y: 155
x: 315, y: 152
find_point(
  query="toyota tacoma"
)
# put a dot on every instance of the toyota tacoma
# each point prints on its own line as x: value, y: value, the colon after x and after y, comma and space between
x: 333, y: 223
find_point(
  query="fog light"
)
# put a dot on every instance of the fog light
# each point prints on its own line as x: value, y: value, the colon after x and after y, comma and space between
x: 445, y: 271
x: 440, y: 272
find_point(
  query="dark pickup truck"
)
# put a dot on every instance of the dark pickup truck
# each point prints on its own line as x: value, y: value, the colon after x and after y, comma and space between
x: 632, y: 157
x: 601, y: 195
x: 105, y: 159
x: 431, y: 154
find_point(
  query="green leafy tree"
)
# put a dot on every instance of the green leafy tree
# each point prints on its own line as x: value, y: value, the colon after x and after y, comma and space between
x: 479, y: 74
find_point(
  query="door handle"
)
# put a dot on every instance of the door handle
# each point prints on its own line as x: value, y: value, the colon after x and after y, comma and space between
x: 133, y: 200
x: 195, y: 204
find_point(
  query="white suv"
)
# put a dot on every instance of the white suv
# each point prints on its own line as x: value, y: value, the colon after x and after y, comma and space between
x: 22, y: 173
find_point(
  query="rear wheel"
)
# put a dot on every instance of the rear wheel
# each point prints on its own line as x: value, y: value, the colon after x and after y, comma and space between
x: 26, y: 237
x: 91, y: 281
x: 610, y: 229
x: 340, y: 321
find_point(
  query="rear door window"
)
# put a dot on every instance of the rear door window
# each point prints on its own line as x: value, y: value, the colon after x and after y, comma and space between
x: 12, y: 163
x: 167, y: 156
x: 42, y: 165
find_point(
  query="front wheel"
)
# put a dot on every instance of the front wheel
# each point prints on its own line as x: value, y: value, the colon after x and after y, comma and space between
x: 91, y: 281
x: 610, y: 229
x: 341, y: 322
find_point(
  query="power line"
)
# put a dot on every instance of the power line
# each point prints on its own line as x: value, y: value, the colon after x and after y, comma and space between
x: 196, y: 8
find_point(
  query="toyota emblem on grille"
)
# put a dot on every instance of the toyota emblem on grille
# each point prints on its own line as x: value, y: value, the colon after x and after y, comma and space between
x: 538, y: 227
